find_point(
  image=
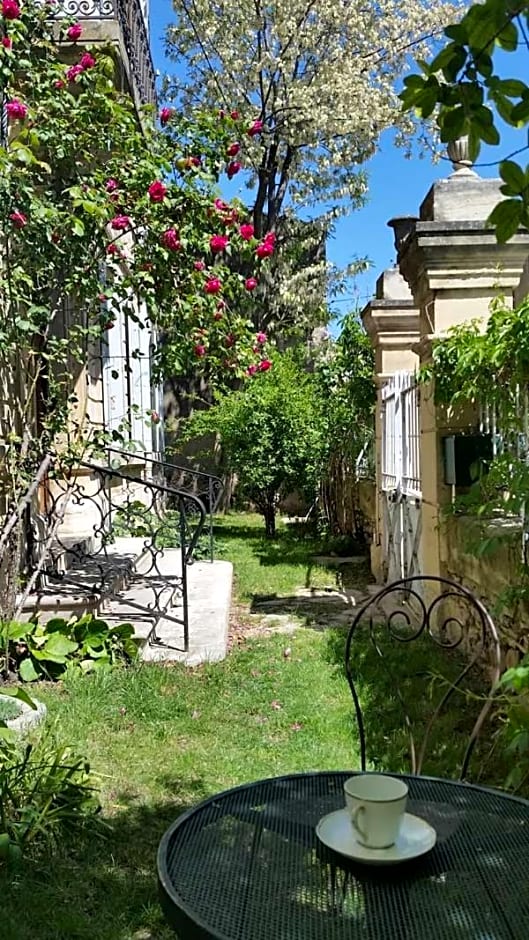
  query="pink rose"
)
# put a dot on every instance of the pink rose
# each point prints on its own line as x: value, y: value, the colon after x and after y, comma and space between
x: 255, y: 128
x: 218, y: 243
x: 75, y: 32
x: 16, y: 109
x: 251, y: 370
x: 111, y: 185
x: 199, y: 265
x: 120, y: 222
x: 87, y: 61
x: 111, y: 249
x: 73, y: 72
x: 246, y: 231
x: 157, y: 191
x: 171, y: 240
x: 270, y: 237
x: 264, y: 365
x: 233, y: 150
x: 233, y: 168
x: 234, y: 115
x: 166, y: 115
x: 155, y: 417
x: 6, y: 42
x: 59, y: 84
x: 213, y: 285
x: 251, y: 283
x: 199, y: 350
x: 10, y: 10
x: 264, y: 250
x: 261, y: 338
x: 195, y: 161
x: 18, y: 219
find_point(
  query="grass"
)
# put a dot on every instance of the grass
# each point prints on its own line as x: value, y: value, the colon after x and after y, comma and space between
x: 9, y: 708
x: 161, y: 738
x: 270, y: 567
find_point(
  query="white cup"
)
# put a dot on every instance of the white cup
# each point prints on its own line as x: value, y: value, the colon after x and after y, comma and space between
x: 377, y: 804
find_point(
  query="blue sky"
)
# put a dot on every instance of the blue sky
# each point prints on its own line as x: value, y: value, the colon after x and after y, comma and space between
x: 397, y: 186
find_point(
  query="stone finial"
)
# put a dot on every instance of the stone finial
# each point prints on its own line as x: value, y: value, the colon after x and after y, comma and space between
x: 402, y: 226
x: 459, y: 153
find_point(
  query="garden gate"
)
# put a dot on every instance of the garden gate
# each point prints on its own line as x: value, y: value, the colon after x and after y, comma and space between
x: 400, y: 477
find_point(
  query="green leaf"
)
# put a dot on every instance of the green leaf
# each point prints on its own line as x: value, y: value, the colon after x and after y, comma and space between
x: 508, y: 38
x: 505, y: 218
x: 19, y: 694
x: 512, y: 87
x: 58, y: 648
x: 513, y: 175
x: 27, y: 670
x: 78, y: 227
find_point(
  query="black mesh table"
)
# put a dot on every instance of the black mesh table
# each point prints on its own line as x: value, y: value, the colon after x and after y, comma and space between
x: 247, y: 865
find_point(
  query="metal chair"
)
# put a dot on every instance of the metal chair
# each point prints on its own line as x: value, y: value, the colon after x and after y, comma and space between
x: 447, y: 617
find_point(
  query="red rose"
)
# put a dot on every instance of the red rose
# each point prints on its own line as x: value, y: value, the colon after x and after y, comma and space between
x: 112, y: 249
x: 264, y: 250
x: 233, y: 150
x: 199, y: 350
x: 233, y: 168
x: 218, y: 315
x: 251, y: 283
x: 120, y: 222
x: 230, y: 340
x: 246, y: 231
x: 213, y: 285
x: 171, y: 240
x: 218, y: 243
x: 255, y: 128
x: 234, y: 115
x: 251, y: 370
x: 73, y: 72
x: 18, y: 219
x: 87, y: 61
x: 157, y: 191
x: 261, y: 338
x: 199, y: 265
x: 6, y: 42
x: 16, y: 109
x: 75, y: 32
x: 264, y: 365
x: 59, y: 84
x: 221, y: 206
x: 166, y: 115
x: 10, y: 10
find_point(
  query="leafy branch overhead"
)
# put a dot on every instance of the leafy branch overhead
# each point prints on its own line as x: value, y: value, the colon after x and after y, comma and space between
x: 464, y: 87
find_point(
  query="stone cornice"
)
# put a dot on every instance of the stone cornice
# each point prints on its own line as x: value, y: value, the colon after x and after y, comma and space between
x: 397, y: 320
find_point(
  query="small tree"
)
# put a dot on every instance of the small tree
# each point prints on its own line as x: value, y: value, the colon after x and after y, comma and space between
x: 271, y: 434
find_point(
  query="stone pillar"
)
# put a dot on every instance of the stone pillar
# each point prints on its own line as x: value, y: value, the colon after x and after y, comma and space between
x: 454, y: 268
x: 391, y: 320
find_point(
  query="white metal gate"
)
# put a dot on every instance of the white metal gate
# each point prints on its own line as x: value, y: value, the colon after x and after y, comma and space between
x: 400, y: 482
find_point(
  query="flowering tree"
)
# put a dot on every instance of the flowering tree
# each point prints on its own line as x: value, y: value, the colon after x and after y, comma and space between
x: 306, y: 88
x: 96, y: 211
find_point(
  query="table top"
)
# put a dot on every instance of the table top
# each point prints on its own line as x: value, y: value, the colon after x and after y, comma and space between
x: 246, y: 864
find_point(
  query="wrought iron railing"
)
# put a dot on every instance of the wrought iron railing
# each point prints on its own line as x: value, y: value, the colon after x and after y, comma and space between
x: 100, y: 508
x: 207, y: 486
x: 131, y: 19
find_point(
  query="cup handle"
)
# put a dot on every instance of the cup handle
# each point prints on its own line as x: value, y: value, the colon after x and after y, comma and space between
x: 355, y: 819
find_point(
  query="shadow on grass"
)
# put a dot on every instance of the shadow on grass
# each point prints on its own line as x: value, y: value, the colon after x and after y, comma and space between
x: 421, y: 672
x: 318, y: 612
x: 100, y: 888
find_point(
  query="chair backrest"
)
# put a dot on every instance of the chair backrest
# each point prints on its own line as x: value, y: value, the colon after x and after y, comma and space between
x: 416, y: 627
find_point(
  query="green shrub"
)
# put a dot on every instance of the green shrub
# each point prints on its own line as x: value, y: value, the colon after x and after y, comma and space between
x: 44, y: 651
x: 9, y: 708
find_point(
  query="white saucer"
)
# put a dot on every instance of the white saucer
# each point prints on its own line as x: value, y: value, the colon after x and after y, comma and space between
x: 416, y: 837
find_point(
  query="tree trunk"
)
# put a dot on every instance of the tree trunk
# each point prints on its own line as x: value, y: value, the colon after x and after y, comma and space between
x: 269, y: 514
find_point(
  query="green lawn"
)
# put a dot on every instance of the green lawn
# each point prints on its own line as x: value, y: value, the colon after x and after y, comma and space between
x: 162, y: 738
